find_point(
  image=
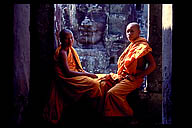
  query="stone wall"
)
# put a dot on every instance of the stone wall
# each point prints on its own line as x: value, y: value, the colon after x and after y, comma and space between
x: 101, y: 28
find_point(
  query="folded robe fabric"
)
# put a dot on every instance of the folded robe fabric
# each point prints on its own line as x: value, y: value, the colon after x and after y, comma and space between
x: 127, y: 62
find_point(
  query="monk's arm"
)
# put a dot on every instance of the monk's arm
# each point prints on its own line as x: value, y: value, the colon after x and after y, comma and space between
x: 151, y: 67
x: 70, y: 73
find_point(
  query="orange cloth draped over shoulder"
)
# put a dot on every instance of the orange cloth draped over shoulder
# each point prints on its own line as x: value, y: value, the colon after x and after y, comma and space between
x: 73, y: 61
x: 127, y: 62
x: 72, y: 87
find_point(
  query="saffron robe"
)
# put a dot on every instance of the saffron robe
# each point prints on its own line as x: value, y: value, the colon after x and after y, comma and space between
x: 116, y: 87
x: 73, y: 88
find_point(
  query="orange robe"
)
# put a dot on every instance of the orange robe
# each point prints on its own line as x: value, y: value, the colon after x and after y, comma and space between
x: 73, y: 88
x: 116, y: 87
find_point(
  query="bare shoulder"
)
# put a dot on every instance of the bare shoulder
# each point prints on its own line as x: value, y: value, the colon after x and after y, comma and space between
x: 63, y: 54
x: 149, y: 57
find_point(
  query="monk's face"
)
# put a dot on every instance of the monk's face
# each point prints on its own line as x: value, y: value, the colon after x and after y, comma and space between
x: 132, y: 32
x: 68, y: 39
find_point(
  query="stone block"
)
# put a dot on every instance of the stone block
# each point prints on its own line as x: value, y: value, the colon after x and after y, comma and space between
x: 117, y: 23
x: 121, y: 8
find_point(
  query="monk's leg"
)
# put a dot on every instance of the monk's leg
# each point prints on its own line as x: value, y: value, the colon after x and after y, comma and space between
x: 104, y: 89
x: 116, y: 103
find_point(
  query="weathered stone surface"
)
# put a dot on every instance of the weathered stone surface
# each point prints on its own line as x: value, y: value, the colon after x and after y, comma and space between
x: 146, y: 106
x: 167, y: 24
x: 101, y: 27
x: 93, y: 60
x: 117, y: 23
x: 21, y: 59
x: 155, y: 41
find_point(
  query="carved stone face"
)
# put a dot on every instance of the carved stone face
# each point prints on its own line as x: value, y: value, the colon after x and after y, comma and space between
x: 91, y: 32
x: 91, y: 24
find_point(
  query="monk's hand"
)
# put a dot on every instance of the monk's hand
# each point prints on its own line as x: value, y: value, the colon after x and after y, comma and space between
x: 92, y: 75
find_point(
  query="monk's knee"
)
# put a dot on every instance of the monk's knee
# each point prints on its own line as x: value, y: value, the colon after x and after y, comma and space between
x: 97, y: 91
x: 111, y: 93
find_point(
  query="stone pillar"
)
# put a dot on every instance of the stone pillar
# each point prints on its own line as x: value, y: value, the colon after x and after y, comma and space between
x: 155, y: 41
x: 21, y: 59
x: 155, y: 78
x: 42, y: 50
x: 167, y: 24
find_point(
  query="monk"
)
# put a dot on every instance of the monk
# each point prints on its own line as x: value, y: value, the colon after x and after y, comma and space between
x: 130, y: 74
x: 71, y: 80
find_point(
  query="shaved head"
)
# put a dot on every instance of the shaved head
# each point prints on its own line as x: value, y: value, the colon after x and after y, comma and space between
x: 132, y: 31
x: 64, y: 32
x: 66, y: 38
x: 134, y: 24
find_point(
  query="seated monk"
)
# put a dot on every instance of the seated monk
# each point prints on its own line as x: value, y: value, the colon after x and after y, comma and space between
x: 71, y: 80
x: 130, y: 74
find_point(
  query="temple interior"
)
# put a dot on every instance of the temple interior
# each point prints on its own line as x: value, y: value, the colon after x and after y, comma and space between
x: 99, y: 31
